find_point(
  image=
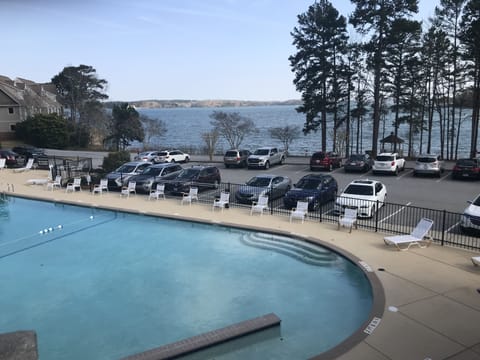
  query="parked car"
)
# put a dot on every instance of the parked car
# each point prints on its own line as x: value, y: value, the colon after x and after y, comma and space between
x: 466, y: 169
x: 273, y: 186
x: 471, y: 216
x: 173, y: 156
x: 325, y: 161
x: 390, y: 163
x: 29, y: 152
x: 367, y: 196
x: 429, y: 164
x: 152, y: 156
x: 316, y: 189
x: 12, y: 159
x: 119, y: 177
x: 201, y: 176
x: 265, y: 157
x: 148, y: 179
x: 236, y: 157
x: 358, y: 162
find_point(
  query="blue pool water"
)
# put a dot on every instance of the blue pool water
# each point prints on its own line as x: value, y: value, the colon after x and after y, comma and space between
x: 96, y: 284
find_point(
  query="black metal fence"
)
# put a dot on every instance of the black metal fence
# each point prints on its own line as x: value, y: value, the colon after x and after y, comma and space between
x: 390, y: 218
x: 69, y: 167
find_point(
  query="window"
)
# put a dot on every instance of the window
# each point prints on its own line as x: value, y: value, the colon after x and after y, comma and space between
x: 13, y: 127
x: 10, y: 110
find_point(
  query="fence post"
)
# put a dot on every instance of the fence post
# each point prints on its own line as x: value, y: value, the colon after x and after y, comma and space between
x: 376, y: 216
x: 320, y: 208
x: 443, y: 225
x: 271, y: 199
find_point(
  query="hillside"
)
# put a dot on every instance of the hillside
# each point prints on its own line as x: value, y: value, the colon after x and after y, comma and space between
x: 152, y: 104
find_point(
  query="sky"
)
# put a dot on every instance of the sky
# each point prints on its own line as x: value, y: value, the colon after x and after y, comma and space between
x: 162, y: 49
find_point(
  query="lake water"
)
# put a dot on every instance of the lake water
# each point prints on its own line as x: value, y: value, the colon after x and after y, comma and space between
x: 185, y: 126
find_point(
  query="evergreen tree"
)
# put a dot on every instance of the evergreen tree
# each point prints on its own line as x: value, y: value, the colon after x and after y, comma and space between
x: 320, y: 39
x: 125, y: 126
x: 376, y: 17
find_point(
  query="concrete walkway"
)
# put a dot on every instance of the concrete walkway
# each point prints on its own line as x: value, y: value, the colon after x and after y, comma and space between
x: 432, y: 295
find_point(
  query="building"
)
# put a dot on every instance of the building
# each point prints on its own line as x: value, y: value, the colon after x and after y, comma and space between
x: 21, y: 98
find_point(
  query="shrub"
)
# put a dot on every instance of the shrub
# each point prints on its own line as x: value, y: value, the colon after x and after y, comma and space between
x: 114, y: 159
x: 44, y: 130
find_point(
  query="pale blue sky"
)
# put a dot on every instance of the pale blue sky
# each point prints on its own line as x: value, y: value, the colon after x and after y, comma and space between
x: 163, y: 49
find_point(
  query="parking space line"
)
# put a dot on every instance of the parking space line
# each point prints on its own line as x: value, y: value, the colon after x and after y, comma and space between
x: 403, y: 175
x: 452, y: 227
x: 443, y: 177
x: 396, y: 212
x: 303, y: 170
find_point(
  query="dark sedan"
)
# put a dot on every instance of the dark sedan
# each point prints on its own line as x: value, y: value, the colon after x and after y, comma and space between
x: 316, y: 189
x: 358, y: 162
x: 273, y: 186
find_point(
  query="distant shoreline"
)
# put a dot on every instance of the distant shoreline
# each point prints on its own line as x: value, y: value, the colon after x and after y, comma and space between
x: 162, y: 104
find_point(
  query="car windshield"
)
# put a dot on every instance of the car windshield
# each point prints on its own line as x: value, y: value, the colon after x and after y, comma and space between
x: 153, y: 171
x: 163, y: 153
x: 308, y: 183
x: 356, y: 158
x: 259, y: 182
x: 476, y: 202
x: 385, y: 158
x: 426, y: 159
x: 359, y: 190
x: 467, y: 162
x: 318, y: 155
x: 261, y: 152
x: 231, y: 154
x: 126, y: 169
x: 188, y: 173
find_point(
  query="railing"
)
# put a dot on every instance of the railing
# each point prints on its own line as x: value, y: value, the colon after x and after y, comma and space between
x: 389, y: 218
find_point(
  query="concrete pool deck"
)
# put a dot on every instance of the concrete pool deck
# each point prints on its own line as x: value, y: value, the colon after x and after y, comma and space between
x: 432, y: 295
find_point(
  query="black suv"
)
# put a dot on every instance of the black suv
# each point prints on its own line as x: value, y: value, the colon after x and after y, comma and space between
x: 148, y: 179
x: 316, y: 189
x: 235, y: 157
x: 201, y: 176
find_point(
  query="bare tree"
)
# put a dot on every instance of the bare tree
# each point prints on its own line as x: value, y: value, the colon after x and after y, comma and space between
x: 232, y: 126
x: 285, y: 134
x: 211, y: 139
x: 153, y: 128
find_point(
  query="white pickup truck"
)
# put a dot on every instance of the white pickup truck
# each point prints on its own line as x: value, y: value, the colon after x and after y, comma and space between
x: 265, y: 157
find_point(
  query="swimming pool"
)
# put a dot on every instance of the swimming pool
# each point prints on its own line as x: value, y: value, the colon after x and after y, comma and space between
x: 97, y: 284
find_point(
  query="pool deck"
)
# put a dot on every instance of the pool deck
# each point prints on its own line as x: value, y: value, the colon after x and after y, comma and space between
x: 432, y: 295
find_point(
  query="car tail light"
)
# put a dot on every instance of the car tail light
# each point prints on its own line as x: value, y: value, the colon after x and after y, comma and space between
x: 393, y: 163
x: 238, y: 158
x: 456, y: 168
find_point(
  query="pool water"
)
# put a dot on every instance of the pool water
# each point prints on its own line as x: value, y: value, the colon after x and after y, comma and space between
x: 97, y: 284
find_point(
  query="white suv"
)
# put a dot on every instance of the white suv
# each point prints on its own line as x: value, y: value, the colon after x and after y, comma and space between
x: 172, y: 156
x: 367, y: 196
x: 388, y: 163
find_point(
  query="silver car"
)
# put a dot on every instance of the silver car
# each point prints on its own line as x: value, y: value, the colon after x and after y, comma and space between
x: 429, y: 164
x: 273, y: 186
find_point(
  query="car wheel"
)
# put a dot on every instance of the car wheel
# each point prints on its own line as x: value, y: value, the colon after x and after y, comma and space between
x: 215, y: 184
x: 282, y: 161
x: 227, y: 166
x: 396, y: 171
x: 187, y: 159
x: 172, y: 161
x: 267, y: 165
x: 330, y: 167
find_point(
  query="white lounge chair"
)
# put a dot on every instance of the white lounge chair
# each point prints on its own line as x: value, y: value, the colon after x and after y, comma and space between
x: 260, y: 205
x: 222, y: 202
x: 129, y: 189
x: 157, y: 192
x: 27, y: 167
x: 73, y: 186
x: 300, y: 211
x: 419, y: 236
x: 476, y: 260
x: 348, y: 219
x: 100, y: 188
x: 192, y: 195
x: 57, y: 183
x: 3, y: 162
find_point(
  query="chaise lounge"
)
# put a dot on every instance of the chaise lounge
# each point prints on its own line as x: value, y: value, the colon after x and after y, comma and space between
x: 419, y: 237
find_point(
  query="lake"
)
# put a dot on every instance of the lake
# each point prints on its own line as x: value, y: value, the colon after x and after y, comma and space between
x: 185, y: 126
